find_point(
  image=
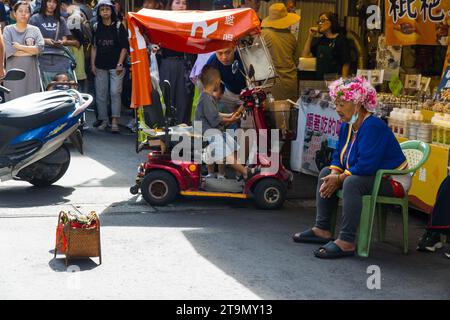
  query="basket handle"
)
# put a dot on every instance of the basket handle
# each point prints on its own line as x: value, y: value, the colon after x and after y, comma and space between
x: 97, y: 219
x: 59, y: 217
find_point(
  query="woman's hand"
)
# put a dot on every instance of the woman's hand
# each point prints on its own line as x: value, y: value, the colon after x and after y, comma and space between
x: 49, y: 42
x: 313, y: 31
x: 330, y: 184
x: 58, y: 44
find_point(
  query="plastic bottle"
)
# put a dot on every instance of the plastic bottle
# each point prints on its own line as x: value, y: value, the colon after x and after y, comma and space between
x: 403, y: 123
x: 419, y: 115
x: 447, y: 129
x: 400, y: 122
x: 439, y: 128
x: 442, y: 129
x: 435, y: 132
x: 413, y: 126
x: 393, y: 120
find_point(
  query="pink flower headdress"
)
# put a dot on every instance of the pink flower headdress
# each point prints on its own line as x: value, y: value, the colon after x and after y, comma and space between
x: 357, y: 90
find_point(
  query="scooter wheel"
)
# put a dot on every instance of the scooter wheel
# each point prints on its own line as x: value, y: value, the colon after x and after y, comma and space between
x: 134, y: 190
x: 159, y: 188
x: 269, y: 194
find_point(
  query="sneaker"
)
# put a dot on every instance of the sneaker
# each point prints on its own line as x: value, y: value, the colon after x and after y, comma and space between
x: 103, y: 126
x: 447, y: 253
x: 210, y: 176
x: 221, y: 177
x: 131, y: 124
x: 97, y: 123
x: 430, y: 241
x: 85, y: 126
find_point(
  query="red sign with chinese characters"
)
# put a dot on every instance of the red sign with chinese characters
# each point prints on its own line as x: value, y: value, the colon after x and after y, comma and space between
x: 424, y: 22
x: 183, y: 31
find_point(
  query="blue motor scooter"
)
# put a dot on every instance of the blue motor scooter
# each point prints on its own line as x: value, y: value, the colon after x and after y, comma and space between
x: 34, y: 130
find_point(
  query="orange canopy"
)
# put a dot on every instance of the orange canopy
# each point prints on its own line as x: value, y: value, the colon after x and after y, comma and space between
x: 184, y: 31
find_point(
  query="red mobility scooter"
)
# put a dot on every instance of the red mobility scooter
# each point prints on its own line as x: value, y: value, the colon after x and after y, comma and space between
x: 161, y: 178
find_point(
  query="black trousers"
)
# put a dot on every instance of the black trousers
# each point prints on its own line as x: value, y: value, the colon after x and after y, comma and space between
x: 440, y: 217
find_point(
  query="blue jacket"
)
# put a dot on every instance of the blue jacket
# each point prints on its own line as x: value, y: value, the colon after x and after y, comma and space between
x: 375, y: 147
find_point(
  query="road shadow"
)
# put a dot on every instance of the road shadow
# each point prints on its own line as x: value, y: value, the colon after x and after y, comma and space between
x: 255, y: 248
x: 30, y: 196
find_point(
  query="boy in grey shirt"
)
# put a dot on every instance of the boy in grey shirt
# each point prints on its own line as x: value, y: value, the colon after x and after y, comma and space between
x: 221, y: 145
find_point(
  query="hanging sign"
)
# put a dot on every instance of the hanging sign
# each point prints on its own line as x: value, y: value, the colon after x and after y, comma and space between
x: 411, y: 22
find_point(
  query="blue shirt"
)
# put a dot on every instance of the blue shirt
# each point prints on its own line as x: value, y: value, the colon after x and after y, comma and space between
x: 374, y: 147
x: 233, y: 82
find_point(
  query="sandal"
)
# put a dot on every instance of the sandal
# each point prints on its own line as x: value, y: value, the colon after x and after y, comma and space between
x: 332, y: 251
x: 115, y: 128
x: 309, y: 236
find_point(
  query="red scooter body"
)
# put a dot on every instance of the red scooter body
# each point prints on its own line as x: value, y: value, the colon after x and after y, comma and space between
x: 185, y: 176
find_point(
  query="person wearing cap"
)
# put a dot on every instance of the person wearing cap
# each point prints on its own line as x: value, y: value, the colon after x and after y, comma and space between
x: 331, y: 49
x: 108, y: 53
x: 282, y: 46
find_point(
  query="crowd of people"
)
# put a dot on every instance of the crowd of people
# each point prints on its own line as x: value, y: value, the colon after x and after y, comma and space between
x: 37, y: 33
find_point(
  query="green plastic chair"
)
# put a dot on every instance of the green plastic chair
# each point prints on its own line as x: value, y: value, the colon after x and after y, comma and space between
x: 416, y: 153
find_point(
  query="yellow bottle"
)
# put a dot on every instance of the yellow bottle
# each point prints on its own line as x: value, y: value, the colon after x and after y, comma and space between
x: 447, y: 130
x: 435, y: 132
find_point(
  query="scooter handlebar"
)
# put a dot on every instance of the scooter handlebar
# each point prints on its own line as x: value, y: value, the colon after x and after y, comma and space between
x: 84, y: 99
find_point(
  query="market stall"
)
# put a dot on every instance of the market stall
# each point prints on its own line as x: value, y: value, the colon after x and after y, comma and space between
x: 414, y: 94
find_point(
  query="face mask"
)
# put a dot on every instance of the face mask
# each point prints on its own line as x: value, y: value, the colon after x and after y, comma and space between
x: 64, y: 14
x: 354, y: 118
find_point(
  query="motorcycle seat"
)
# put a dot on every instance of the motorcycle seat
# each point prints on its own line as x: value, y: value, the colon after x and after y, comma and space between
x: 35, y: 110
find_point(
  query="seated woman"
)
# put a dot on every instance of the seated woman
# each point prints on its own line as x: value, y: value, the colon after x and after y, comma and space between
x: 365, y: 145
x: 439, y: 223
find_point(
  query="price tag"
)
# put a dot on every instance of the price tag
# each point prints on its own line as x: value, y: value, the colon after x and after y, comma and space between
x: 375, y: 77
x: 412, y: 81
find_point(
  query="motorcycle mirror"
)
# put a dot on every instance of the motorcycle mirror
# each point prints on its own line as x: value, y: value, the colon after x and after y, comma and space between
x: 14, y: 74
x: 235, y: 67
x: 251, y: 71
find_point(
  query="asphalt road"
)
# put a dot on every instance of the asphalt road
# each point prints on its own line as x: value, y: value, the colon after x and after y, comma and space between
x: 193, y: 249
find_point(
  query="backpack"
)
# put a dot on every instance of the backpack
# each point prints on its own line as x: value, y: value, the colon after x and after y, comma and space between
x: 80, y: 27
